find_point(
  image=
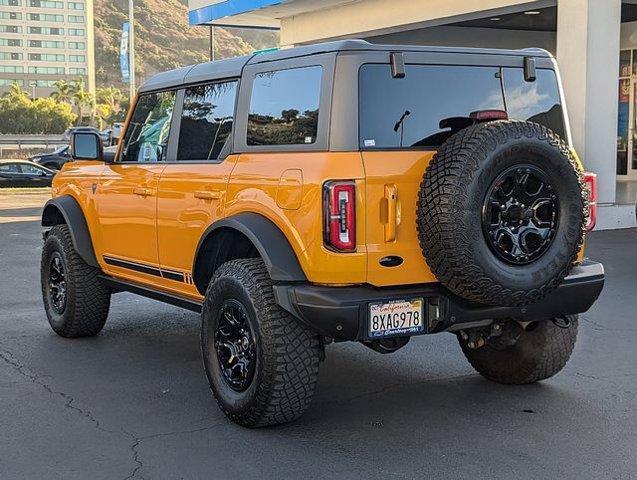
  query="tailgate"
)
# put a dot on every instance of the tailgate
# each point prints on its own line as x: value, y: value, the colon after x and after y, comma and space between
x: 392, y: 183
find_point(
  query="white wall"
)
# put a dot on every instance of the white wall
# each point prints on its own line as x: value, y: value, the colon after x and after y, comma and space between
x: 470, y: 37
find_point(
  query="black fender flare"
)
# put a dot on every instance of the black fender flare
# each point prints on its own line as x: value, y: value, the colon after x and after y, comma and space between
x: 272, y: 245
x: 71, y: 213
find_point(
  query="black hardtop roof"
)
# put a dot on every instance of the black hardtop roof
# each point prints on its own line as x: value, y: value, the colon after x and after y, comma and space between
x: 233, y: 67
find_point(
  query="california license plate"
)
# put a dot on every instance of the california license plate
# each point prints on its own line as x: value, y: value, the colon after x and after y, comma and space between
x: 396, y: 318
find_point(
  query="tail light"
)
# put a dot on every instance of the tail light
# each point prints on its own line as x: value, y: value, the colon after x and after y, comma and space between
x: 339, y: 214
x: 590, y: 180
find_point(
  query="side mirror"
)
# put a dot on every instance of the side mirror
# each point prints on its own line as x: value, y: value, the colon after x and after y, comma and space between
x: 86, y: 146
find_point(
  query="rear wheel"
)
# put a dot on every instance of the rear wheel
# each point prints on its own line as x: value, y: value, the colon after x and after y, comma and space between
x: 525, y: 352
x: 76, y: 301
x: 262, y: 364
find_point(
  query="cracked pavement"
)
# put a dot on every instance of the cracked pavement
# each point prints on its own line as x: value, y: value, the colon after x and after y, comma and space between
x: 133, y: 402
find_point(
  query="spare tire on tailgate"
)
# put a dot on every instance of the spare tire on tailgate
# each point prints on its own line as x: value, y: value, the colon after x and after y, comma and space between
x: 501, y: 212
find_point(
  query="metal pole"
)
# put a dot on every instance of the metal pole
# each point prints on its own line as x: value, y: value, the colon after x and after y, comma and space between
x: 131, y: 49
x: 212, y: 43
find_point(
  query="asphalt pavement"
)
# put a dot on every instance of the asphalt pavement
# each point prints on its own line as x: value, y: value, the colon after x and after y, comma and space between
x: 134, y: 402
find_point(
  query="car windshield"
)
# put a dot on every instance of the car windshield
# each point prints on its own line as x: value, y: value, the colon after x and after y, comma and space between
x: 61, y: 149
x: 431, y: 102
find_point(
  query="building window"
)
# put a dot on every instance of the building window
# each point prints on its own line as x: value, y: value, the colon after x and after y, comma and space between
x: 284, y: 107
x: 10, y: 42
x: 77, y: 45
x: 47, y: 70
x: 11, y: 69
x: 76, y: 6
x: 45, y: 17
x: 46, y: 30
x: 45, y: 4
x: 76, y: 18
x: 10, y: 56
x: 10, y: 29
x: 77, y: 32
x: 46, y: 44
x: 206, y: 121
x: 77, y: 71
x: 46, y: 57
x: 10, y: 16
x: 11, y: 3
x: 45, y: 83
x: 77, y: 58
x: 10, y: 81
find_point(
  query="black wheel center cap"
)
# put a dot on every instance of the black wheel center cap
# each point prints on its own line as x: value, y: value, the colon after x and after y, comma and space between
x: 234, y: 345
x: 520, y: 214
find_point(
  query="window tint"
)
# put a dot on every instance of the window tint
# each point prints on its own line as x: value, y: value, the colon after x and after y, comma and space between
x: 284, y: 108
x: 31, y: 169
x: 146, y: 138
x: 206, y: 122
x: 406, y: 112
x: 537, y: 101
x: 9, y: 168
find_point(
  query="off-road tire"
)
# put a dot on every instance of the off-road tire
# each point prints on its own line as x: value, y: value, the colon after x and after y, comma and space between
x: 450, y: 203
x: 541, y: 352
x: 288, y: 353
x: 87, y: 298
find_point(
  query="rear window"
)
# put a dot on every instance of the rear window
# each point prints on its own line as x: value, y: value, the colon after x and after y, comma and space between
x: 284, y: 107
x: 406, y: 112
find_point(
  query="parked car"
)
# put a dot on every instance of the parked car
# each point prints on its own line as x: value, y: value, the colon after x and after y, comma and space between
x: 335, y: 192
x: 105, y: 135
x: 21, y: 173
x: 54, y: 160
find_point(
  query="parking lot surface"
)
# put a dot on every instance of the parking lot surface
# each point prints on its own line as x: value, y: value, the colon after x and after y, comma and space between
x: 134, y: 402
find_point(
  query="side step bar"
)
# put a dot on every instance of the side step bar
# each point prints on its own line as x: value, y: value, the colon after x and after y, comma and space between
x: 170, y: 298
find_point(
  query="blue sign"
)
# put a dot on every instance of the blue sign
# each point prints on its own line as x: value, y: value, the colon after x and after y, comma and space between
x: 124, y: 62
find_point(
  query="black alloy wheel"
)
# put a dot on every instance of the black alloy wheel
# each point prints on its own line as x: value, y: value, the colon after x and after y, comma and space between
x: 235, y: 346
x: 520, y: 214
x: 57, y: 283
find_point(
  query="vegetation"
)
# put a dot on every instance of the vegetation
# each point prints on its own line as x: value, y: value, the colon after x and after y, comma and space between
x: 20, y: 114
x: 164, y: 40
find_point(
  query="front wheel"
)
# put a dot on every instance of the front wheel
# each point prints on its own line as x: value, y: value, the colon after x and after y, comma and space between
x: 76, y: 301
x: 262, y: 364
x: 526, y: 352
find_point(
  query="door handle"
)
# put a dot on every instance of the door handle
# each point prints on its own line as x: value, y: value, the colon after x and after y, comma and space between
x: 207, y: 194
x: 391, y: 197
x: 143, y: 191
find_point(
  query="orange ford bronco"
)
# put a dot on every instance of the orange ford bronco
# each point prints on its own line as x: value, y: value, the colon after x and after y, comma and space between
x: 342, y: 191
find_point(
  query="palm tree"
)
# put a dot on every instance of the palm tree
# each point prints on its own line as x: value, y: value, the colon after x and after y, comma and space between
x: 82, y: 99
x: 16, y: 94
x: 62, y: 92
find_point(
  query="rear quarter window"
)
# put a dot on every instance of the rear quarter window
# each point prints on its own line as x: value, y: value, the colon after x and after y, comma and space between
x: 284, y: 107
x: 406, y: 112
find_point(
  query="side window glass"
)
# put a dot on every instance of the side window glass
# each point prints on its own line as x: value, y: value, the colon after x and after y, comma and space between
x: 146, y: 138
x: 206, y: 122
x: 30, y: 169
x: 284, y: 107
x: 9, y: 168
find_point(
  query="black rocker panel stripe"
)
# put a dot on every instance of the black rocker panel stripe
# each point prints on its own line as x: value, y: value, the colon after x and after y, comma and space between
x: 148, y: 269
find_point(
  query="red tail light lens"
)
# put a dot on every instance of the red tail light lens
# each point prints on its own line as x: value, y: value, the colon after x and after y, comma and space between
x: 590, y: 179
x: 339, y: 214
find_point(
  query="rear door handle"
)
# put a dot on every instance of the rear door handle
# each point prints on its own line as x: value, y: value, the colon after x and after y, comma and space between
x: 391, y: 196
x: 143, y: 191
x: 207, y: 194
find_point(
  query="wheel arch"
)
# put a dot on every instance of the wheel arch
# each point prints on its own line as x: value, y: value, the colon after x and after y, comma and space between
x: 66, y: 210
x: 245, y: 235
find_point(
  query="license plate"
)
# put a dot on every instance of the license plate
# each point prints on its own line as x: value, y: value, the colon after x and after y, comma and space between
x: 396, y: 318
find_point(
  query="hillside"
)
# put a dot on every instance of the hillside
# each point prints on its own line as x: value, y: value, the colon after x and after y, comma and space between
x: 164, y: 40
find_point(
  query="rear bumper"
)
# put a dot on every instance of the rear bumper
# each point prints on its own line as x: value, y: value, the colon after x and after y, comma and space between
x: 341, y: 312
